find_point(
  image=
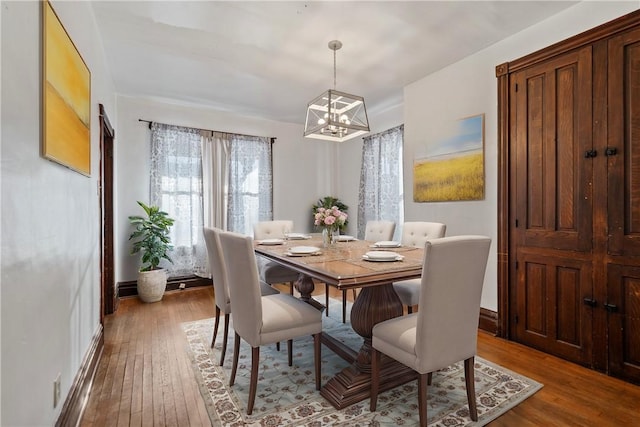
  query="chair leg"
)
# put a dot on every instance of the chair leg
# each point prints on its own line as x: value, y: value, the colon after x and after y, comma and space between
x: 423, y: 380
x: 375, y: 378
x: 290, y: 352
x: 317, y: 346
x: 326, y: 299
x: 226, y: 337
x: 253, y: 382
x: 344, y: 306
x: 236, y: 353
x: 469, y: 378
x: 291, y: 285
x: 215, y: 326
x: 278, y: 346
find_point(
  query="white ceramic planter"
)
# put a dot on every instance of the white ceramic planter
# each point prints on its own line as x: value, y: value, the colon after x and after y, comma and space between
x: 152, y: 284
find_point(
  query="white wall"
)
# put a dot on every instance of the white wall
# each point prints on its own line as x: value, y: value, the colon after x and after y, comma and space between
x: 50, y: 225
x: 302, y: 167
x: 467, y: 88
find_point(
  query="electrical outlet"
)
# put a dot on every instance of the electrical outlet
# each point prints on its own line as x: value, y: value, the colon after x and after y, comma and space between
x: 56, y: 391
x: 182, y: 285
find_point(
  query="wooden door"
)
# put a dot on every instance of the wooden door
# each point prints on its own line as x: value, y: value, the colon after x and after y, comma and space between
x: 551, y: 205
x: 107, y: 286
x: 623, y: 170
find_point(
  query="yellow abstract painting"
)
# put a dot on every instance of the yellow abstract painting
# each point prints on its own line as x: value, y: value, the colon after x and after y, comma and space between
x: 452, y: 167
x: 67, y: 98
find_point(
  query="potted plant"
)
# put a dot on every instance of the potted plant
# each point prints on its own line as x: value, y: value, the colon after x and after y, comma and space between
x: 151, y: 237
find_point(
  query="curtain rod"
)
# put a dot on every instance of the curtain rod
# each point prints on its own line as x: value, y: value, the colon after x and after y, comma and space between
x: 273, y: 138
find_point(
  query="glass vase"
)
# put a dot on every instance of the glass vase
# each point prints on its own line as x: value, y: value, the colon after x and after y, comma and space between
x: 328, y: 237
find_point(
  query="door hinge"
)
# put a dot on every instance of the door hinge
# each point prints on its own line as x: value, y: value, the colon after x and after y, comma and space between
x: 516, y: 87
x: 516, y: 265
x: 516, y: 319
x: 517, y: 223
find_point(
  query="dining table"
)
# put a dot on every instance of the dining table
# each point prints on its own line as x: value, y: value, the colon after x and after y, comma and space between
x: 347, y: 264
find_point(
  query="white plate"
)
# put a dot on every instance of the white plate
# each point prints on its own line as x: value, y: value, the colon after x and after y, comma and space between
x: 345, y: 238
x: 271, y: 242
x: 382, y: 256
x: 297, y: 236
x: 303, y: 250
x: 387, y: 244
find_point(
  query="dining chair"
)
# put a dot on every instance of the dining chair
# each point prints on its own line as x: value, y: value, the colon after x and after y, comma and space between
x: 264, y: 319
x: 416, y: 233
x: 272, y: 272
x: 445, y: 329
x: 374, y: 231
x: 220, y: 287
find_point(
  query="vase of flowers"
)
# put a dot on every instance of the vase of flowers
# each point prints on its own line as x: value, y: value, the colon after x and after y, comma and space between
x: 330, y: 219
x: 329, y: 202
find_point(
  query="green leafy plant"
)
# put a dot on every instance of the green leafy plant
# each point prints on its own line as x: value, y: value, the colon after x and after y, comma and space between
x: 328, y: 202
x: 151, y: 236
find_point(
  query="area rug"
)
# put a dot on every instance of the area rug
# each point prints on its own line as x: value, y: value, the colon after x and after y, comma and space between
x: 286, y: 396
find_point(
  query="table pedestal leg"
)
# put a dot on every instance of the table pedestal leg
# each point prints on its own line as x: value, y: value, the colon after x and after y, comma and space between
x: 353, y: 384
x: 305, y: 286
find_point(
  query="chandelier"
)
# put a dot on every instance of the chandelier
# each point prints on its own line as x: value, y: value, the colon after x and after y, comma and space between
x: 335, y: 115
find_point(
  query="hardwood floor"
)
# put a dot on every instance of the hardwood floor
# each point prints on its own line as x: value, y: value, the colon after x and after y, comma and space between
x: 145, y: 376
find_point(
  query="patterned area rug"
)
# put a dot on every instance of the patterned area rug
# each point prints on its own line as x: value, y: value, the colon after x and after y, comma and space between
x: 287, y: 396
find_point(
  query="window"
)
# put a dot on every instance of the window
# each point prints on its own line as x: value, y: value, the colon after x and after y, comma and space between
x: 204, y: 178
x: 381, y: 194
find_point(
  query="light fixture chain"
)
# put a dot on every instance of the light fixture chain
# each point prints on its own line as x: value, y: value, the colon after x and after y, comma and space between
x: 334, y: 68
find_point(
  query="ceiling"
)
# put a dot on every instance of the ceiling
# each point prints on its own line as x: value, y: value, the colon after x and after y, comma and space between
x: 269, y: 58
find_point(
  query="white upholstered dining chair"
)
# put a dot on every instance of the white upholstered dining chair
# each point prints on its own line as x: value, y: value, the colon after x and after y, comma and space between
x: 416, y: 233
x: 272, y: 272
x: 375, y: 231
x: 220, y: 287
x: 264, y: 319
x: 445, y: 329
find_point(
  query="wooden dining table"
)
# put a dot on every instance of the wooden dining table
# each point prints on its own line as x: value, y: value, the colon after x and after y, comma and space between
x: 342, y: 266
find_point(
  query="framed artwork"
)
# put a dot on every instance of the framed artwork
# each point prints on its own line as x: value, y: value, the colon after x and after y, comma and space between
x: 66, y: 93
x: 452, y: 167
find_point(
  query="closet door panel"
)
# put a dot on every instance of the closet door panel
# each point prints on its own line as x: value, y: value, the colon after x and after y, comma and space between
x: 552, y: 232
x: 551, y: 314
x: 552, y: 138
x: 623, y: 306
x: 624, y: 138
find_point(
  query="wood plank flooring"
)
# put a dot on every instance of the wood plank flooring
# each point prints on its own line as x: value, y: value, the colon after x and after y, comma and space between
x: 145, y: 376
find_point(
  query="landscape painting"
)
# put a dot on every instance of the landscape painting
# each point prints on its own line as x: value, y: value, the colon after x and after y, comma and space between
x: 67, y: 98
x: 452, y: 167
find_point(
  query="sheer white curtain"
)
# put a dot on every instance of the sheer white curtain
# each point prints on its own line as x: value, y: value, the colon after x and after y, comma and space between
x: 381, y: 188
x: 176, y: 187
x: 216, y: 150
x: 250, y: 183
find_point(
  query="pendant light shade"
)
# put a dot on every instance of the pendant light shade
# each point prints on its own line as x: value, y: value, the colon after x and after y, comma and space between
x: 336, y: 115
